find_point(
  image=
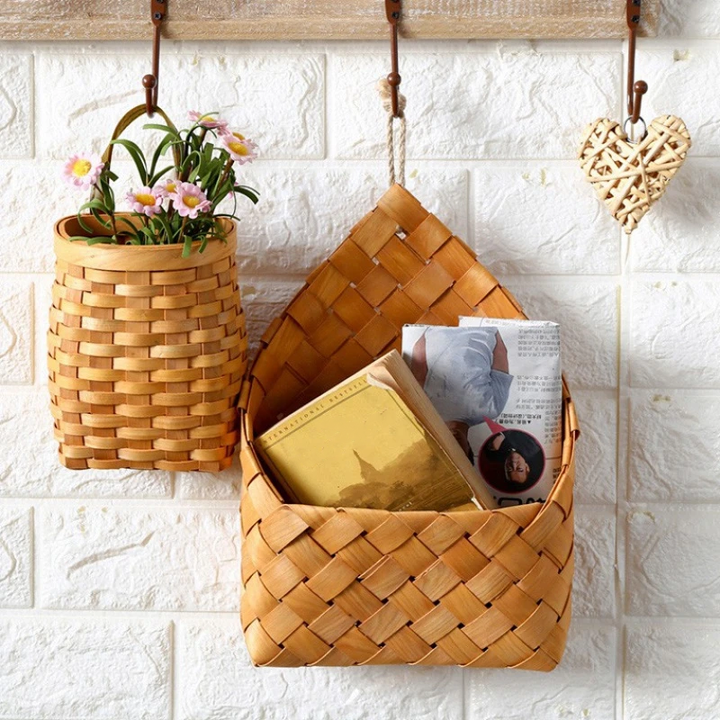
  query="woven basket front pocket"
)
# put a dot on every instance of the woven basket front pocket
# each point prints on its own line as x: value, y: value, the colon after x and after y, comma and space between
x: 146, y: 354
x: 344, y: 586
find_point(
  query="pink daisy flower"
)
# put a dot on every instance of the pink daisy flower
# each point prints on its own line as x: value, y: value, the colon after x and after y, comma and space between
x: 145, y: 201
x: 189, y: 200
x: 208, y: 121
x: 166, y: 188
x: 241, y: 149
x: 83, y: 169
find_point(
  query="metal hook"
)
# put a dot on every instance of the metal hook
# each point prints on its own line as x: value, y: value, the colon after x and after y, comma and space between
x: 150, y: 82
x: 635, y: 90
x: 392, y: 10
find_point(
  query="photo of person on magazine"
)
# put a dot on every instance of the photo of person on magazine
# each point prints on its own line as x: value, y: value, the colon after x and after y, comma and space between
x: 512, y: 461
x: 466, y: 375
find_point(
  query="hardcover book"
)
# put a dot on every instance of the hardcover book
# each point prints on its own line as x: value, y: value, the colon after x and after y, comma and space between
x: 373, y: 441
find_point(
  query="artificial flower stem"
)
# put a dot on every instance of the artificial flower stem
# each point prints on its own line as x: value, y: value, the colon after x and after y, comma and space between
x: 182, y: 229
x: 224, y: 176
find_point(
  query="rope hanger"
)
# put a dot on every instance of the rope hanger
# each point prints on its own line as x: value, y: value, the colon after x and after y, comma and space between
x: 393, y: 101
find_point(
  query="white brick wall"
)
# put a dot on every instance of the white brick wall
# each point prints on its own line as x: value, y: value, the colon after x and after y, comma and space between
x: 119, y: 590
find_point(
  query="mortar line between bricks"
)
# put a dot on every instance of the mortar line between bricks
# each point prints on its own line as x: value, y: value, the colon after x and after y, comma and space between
x: 173, y: 709
x: 121, y: 615
x: 117, y: 503
x: 622, y: 438
x: 35, y: 575
x: 329, y: 113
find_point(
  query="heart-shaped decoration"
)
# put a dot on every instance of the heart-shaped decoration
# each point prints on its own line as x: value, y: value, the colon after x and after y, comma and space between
x: 630, y: 176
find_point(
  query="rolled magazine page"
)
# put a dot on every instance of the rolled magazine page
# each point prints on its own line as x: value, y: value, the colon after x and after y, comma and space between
x: 497, y: 384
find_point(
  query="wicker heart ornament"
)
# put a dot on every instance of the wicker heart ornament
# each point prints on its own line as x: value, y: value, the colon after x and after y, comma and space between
x: 630, y: 176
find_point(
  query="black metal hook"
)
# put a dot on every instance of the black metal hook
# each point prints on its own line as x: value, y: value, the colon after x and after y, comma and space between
x: 150, y: 82
x: 393, y: 8
x: 635, y: 90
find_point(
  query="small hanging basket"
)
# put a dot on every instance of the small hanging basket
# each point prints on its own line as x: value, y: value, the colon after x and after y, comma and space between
x: 347, y: 586
x: 146, y: 349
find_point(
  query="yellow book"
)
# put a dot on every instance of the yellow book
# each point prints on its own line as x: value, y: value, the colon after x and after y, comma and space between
x: 372, y: 441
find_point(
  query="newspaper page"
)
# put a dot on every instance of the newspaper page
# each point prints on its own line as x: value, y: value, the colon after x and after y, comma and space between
x: 497, y: 384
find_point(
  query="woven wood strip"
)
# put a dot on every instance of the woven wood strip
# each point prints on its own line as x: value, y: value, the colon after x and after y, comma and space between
x: 146, y: 355
x: 333, y: 586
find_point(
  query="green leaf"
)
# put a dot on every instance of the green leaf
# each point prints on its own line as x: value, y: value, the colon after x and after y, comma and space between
x: 125, y: 221
x: 137, y: 156
x: 247, y: 192
x: 164, y: 128
x: 159, y: 150
x: 187, y: 246
x: 163, y: 221
x: 149, y: 234
x: 154, y: 179
x: 101, y: 240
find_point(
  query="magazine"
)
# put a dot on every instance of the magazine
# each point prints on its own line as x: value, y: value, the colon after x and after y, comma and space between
x: 497, y: 384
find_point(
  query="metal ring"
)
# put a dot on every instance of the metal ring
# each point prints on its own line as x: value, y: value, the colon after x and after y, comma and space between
x: 644, y: 134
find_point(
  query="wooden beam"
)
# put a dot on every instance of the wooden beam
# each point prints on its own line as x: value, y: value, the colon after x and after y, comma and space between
x: 319, y: 19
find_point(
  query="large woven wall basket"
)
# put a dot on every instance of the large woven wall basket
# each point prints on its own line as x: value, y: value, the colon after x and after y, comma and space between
x: 344, y: 586
x: 146, y: 354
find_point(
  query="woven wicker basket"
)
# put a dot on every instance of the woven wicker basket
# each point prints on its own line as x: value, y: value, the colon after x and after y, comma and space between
x: 146, y: 354
x: 334, y: 586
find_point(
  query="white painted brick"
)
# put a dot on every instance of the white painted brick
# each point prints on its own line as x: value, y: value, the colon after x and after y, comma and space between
x: 541, y: 218
x: 216, y: 680
x: 263, y: 300
x: 679, y: 75
x: 672, y: 671
x: 699, y: 18
x: 79, y: 104
x: 594, y: 584
x: 674, y: 447
x: 210, y: 486
x: 582, y: 686
x: 674, y: 334
x: 15, y: 557
x: 303, y: 216
x: 25, y: 422
x: 588, y: 315
x: 679, y: 234
x: 595, y: 476
x: 16, y: 332
x: 26, y: 234
x: 149, y: 559
x: 508, y: 104
x: 84, y: 669
x: 16, y: 105
x: 671, y: 564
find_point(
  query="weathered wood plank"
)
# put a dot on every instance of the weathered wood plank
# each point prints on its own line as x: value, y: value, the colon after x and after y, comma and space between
x: 318, y: 19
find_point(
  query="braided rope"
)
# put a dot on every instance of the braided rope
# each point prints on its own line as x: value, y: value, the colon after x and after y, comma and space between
x: 385, y: 91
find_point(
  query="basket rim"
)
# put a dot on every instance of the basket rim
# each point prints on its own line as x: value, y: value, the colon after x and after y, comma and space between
x: 104, y: 256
